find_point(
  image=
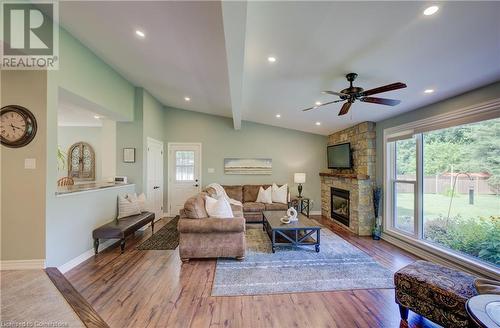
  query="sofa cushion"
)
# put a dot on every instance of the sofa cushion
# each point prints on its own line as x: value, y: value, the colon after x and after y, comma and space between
x: 234, y: 192
x: 276, y: 207
x: 429, y: 284
x: 209, y: 225
x: 250, y: 192
x: 253, y: 207
x: 194, y: 207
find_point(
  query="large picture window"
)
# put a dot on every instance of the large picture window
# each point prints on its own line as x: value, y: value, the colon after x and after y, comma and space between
x: 444, y: 187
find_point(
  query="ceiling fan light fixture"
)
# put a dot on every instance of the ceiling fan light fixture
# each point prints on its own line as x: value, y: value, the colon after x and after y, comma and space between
x: 431, y: 10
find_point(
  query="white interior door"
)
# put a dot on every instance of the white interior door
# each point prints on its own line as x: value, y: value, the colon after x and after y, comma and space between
x: 155, y: 177
x: 184, y: 174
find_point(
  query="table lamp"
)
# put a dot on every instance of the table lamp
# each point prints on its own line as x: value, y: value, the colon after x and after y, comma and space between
x: 299, y: 178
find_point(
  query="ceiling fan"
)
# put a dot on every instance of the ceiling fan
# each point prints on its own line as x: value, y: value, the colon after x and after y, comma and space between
x: 353, y: 93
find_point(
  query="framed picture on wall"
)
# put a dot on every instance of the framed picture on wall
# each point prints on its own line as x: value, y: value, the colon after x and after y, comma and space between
x: 129, y: 155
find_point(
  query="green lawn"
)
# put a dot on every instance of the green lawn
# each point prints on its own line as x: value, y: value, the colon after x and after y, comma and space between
x: 435, y: 205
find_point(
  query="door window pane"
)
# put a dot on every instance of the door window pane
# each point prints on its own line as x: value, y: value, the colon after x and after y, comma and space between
x: 184, y: 165
x: 404, y: 207
x: 406, y: 159
x: 461, y: 202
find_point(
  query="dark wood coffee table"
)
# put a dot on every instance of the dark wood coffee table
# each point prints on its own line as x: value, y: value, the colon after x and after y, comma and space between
x: 297, y: 233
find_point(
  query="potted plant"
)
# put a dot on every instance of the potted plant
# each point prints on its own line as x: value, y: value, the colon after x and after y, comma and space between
x: 377, y: 227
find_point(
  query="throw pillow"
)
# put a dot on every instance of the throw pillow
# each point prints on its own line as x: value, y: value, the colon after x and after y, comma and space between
x: 265, y: 196
x: 141, y: 200
x: 279, y: 194
x: 218, y: 208
x: 127, y: 208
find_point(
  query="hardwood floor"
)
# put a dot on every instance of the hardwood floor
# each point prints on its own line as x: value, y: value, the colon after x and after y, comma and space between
x: 154, y: 289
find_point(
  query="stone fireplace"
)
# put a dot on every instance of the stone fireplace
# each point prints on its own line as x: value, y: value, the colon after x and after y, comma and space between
x: 351, y: 189
x: 339, y: 205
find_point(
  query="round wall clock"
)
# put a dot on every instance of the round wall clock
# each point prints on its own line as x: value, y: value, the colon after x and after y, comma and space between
x: 18, y: 126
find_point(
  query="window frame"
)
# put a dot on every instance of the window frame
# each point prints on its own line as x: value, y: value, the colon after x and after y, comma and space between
x: 479, y: 112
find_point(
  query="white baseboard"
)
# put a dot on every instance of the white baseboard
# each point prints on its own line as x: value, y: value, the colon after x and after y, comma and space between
x: 84, y: 256
x: 315, y: 213
x: 22, y: 264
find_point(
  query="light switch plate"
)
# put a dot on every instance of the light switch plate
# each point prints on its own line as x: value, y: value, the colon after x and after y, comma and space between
x: 30, y: 163
x: 211, y: 170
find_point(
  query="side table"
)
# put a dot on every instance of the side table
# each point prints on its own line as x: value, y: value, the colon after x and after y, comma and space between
x: 302, y: 204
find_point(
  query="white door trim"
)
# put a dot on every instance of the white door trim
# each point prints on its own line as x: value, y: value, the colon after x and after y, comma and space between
x: 150, y: 140
x: 169, y: 147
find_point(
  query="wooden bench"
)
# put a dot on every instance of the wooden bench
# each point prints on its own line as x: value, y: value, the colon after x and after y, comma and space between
x: 120, y: 229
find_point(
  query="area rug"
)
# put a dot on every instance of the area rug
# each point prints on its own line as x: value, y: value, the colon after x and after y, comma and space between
x: 165, y: 238
x: 338, y: 266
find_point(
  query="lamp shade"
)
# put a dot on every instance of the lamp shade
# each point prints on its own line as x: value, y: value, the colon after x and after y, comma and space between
x: 299, y: 177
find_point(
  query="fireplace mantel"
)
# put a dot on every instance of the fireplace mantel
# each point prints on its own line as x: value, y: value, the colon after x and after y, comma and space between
x: 345, y: 176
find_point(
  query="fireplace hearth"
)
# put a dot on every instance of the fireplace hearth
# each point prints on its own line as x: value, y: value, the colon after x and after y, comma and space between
x: 339, y: 208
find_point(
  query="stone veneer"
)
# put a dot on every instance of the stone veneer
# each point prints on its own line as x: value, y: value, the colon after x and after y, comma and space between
x: 359, y: 180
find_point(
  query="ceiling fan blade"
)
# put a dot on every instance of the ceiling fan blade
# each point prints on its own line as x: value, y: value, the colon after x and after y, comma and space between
x: 340, y: 94
x: 327, y: 103
x: 381, y: 101
x: 385, y: 88
x: 345, y: 108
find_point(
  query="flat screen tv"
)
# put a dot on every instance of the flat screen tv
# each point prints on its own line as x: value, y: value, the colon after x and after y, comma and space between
x: 339, y: 156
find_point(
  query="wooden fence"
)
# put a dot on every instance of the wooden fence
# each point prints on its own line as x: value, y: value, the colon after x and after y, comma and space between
x: 444, y: 184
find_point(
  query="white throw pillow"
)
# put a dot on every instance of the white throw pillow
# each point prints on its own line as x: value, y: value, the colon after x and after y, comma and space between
x: 218, y: 208
x: 127, y: 208
x: 265, y: 196
x: 141, y: 200
x: 280, y: 194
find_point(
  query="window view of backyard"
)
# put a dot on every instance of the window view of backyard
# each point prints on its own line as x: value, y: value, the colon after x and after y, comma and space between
x: 461, y: 182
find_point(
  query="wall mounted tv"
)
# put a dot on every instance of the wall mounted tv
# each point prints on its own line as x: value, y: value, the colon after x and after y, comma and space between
x: 339, y: 156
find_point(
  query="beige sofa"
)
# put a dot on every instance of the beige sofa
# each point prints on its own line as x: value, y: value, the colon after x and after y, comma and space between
x: 247, y: 195
x: 201, y: 236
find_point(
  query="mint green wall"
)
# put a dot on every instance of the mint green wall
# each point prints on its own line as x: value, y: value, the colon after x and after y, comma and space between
x: 291, y: 151
x: 83, y: 73
x: 149, y: 121
x: 69, y: 221
x: 129, y: 135
x: 476, y: 96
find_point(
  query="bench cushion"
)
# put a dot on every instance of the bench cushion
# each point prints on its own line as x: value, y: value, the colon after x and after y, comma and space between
x: 123, y: 227
x: 435, y: 291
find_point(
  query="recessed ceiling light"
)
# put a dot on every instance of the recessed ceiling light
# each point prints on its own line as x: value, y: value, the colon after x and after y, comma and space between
x: 140, y: 33
x: 278, y: 115
x: 97, y: 117
x: 271, y: 59
x: 317, y: 103
x: 431, y: 10
x: 187, y: 99
x: 428, y: 90
x: 318, y: 123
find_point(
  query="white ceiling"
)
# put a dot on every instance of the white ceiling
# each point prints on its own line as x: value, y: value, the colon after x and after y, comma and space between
x: 217, y: 54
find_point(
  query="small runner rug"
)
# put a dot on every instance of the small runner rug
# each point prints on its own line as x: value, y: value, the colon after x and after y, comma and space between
x: 338, y: 266
x: 165, y: 238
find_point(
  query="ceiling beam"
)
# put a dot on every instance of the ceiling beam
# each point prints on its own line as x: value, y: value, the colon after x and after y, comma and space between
x: 234, y: 16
